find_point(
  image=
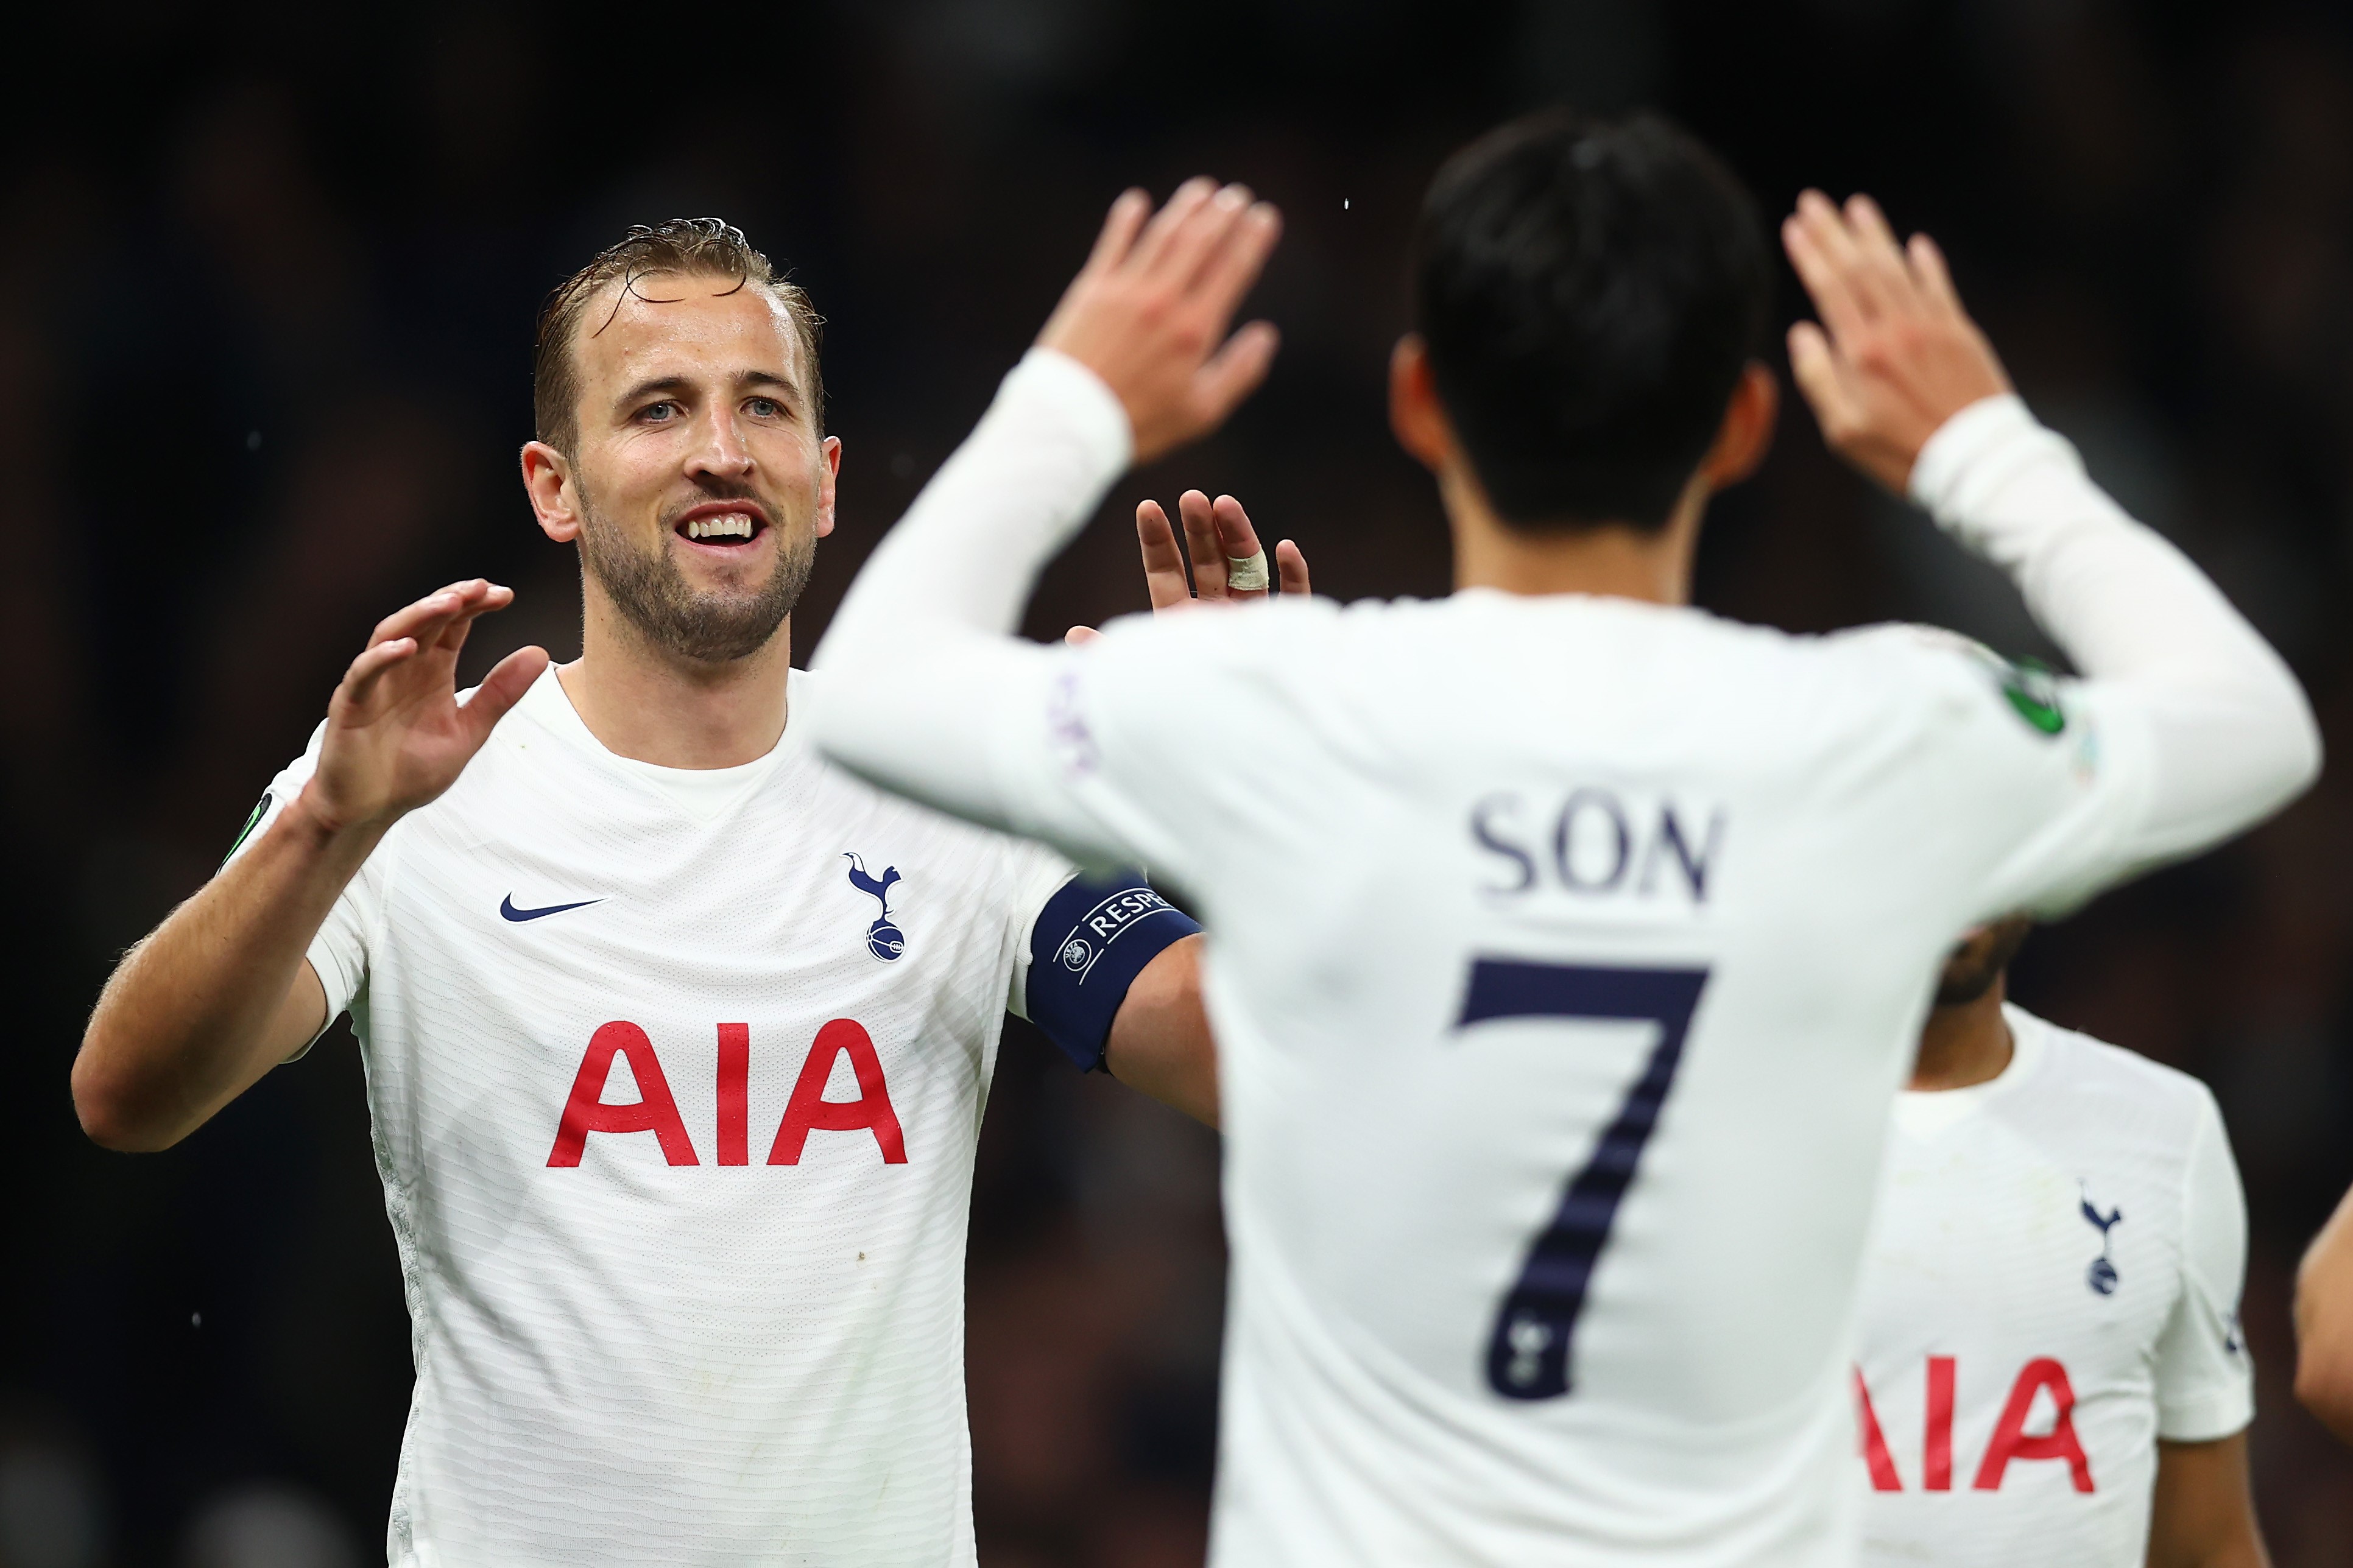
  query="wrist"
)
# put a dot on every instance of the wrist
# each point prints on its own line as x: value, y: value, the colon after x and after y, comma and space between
x: 1961, y: 444
x: 1084, y: 400
x: 325, y: 828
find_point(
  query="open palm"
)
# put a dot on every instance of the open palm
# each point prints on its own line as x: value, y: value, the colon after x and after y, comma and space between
x: 396, y: 734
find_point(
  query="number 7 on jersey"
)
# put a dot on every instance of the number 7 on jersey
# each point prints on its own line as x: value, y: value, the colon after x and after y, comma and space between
x: 1527, y: 1351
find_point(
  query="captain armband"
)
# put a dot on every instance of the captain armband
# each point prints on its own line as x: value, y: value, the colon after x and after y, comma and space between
x: 1090, y: 943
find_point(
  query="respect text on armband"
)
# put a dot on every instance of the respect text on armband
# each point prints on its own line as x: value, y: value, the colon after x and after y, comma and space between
x: 1595, y: 842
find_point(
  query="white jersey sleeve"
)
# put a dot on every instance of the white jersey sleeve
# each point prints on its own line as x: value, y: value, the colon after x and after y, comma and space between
x: 2205, y: 1380
x: 2189, y: 726
x: 339, y: 953
x: 2059, y: 776
x: 2185, y: 728
x: 1037, y: 874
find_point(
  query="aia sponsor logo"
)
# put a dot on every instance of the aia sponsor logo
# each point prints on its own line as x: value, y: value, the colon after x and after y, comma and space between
x: 2011, y: 1443
x: 655, y: 1109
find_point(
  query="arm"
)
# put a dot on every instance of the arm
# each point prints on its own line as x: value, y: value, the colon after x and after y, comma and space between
x: 1908, y: 390
x: 2324, y: 1324
x: 1129, y: 367
x: 2202, y: 1514
x: 1134, y: 363
x: 1160, y: 1042
x: 222, y: 992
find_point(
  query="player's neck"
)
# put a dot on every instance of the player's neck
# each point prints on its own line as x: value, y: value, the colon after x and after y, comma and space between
x: 1969, y: 1043
x: 651, y: 706
x: 1617, y: 560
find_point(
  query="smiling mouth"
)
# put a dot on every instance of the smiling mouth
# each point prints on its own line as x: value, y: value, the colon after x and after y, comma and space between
x: 723, y: 528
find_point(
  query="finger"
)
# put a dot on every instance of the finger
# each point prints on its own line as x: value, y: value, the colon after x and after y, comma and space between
x: 500, y: 690
x: 1113, y: 244
x: 1813, y: 363
x: 1234, y: 372
x: 1121, y: 226
x: 1936, y: 280
x: 1233, y: 269
x: 452, y: 635
x: 1237, y: 540
x: 1164, y: 564
x: 1079, y: 636
x: 1826, y: 283
x: 430, y: 611
x: 1291, y: 568
x: 1196, y: 242
x: 1878, y: 254
x: 1867, y: 225
x: 1189, y: 199
x: 1201, y: 544
x: 1834, y: 235
x: 360, y: 681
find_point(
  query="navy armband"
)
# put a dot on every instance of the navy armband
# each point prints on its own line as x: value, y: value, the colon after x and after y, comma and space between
x: 1090, y: 943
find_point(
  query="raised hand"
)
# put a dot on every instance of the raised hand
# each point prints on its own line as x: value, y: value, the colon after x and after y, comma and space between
x: 1218, y: 538
x: 396, y: 735
x: 1896, y: 355
x: 1149, y: 311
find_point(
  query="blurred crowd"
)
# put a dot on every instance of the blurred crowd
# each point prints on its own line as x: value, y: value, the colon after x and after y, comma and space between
x: 268, y: 278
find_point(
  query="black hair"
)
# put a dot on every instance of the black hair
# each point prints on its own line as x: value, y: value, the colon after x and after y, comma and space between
x: 1589, y: 291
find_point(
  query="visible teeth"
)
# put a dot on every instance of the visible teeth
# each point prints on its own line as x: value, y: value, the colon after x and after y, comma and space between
x: 732, y: 525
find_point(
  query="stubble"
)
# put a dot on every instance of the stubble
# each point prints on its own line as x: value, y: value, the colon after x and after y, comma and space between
x: 708, y: 626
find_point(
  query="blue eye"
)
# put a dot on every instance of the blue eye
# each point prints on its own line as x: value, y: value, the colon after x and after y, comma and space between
x: 766, y: 408
x: 657, y: 412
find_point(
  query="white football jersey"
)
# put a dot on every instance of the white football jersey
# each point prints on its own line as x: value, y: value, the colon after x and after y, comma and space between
x: 675, y: 1078
x: 2052, y: 1285
x: 1553, y: 1097
x: 1564, y: 956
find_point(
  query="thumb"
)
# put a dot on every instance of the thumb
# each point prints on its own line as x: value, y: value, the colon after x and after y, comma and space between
x: 502, y: 690
x: 1815, y: 368
x: 1079, y: 636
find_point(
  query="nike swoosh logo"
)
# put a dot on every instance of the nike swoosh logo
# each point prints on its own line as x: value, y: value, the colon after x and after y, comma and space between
x: 507, y: 908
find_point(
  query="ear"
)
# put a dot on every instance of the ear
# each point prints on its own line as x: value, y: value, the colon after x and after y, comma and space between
x: 828, y: 471
x: 547, y: 479
x: 1416, y: 418
x: 1746, y: 433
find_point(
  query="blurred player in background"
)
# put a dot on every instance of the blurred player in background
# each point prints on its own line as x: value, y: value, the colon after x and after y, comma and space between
x: 2050, y: 1368
x: 1568, y: 944
x: 2324, y: 1324
x: 677, y: 1039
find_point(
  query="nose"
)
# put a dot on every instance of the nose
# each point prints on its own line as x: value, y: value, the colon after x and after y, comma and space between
x: 723, y: 452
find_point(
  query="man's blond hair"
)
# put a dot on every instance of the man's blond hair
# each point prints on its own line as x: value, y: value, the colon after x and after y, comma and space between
x: 681, y: 246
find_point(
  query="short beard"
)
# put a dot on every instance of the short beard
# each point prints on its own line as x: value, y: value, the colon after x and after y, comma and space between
x: 654, y: 597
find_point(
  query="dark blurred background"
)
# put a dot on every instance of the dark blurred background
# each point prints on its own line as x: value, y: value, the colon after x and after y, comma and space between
x: 267, y: 285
